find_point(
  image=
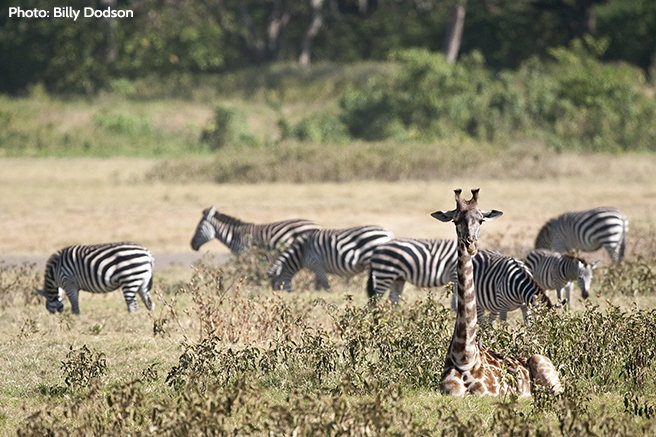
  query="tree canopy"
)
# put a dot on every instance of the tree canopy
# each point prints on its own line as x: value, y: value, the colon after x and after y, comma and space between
x: 188, y: 36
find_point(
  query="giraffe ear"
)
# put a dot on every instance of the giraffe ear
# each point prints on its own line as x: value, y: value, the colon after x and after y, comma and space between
x: 491, y: 214
x: 444, y: 216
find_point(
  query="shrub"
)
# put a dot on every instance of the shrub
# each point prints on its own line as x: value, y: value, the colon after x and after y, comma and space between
x: 572, y: 101
x: 21, y: 279
x: 320, y: 127
x: 82, y: 366
x: 228, y: 128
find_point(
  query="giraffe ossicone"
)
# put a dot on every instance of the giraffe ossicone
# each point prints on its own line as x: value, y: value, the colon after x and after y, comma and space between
x: 469, y: 367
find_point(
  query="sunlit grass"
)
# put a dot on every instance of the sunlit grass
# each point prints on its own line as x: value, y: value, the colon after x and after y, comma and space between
x: 330, y: 360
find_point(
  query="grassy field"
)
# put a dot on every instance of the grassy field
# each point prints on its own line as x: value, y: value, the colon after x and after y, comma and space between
x: 234, y: 357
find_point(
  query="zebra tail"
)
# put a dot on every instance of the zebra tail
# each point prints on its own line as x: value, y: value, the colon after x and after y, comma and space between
x: 371, y: 286
x: 620, y: 255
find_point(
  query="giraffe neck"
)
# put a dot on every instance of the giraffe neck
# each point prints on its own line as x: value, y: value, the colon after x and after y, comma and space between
x: 464, y: 351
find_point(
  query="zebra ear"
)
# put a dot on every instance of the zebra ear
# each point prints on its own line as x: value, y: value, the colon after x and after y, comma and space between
x: 210, y: 212
x: 491, y: 214
x: 594, y: 265
x: 41, y: 292
x: 275, y: 269
x: 444, y: 216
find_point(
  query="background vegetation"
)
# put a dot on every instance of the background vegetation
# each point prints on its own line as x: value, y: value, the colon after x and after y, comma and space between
x: 221, y: 80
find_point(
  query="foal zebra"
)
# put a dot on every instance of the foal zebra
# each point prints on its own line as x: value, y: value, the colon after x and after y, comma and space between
x: 239, y: 236
x: 555, y: 271
x: 587, y: 231
x: 99, y: 268
x: 424, y: 263
x: 504, y: 284
x: 343, y: 252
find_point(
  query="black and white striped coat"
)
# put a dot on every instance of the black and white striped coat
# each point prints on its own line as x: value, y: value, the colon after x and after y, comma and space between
x: 586, y: 231
x: 343, y: 252
x: 504, y: 284
x: 555, y: 271
x: 239, y: 236
x: 422, y: 262
x: 99, y: 268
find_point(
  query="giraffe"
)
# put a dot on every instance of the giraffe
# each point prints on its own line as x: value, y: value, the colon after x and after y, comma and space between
x: 469, y: 367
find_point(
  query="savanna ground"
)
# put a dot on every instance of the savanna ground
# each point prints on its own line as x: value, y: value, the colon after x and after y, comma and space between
x: 223, y: 354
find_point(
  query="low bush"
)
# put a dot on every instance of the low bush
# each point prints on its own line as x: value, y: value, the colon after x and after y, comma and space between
x: 253, y: 362
x: 573, y: 101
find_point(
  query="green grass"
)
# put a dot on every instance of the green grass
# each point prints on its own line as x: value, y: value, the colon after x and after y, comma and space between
x: 234, y: 357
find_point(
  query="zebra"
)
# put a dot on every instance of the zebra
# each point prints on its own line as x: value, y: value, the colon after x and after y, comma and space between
x: 98, y: 268
x: 239, y: 236
x: 504, y: 284
x: 343, y: 252
x: 422, y: 262
x: 586, y: 231
x: 555, y: 271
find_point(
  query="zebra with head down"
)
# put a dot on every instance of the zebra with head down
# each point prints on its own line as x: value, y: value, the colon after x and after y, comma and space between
x: 555, y: 271
x: 586, y: 231
x: 343, y: 252
x: 99, y: 268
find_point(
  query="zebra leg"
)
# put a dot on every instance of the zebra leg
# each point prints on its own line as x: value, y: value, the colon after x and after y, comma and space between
x: 559, y: 295
x: 568, y: 292
x: 502, y: 315
x: 396, y: 290
x: 72, y: 293
x: 130, y: 296
x: 526, y: 312
x: 480, y: 316
x: 144, y: 293
x: 616, y: 252
x: 321, y: 278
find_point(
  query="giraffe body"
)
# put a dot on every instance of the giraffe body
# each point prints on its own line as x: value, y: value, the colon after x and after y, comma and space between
x: 470, y: 368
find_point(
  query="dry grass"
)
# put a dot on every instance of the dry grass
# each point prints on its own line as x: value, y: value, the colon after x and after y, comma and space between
x: 49, y: 203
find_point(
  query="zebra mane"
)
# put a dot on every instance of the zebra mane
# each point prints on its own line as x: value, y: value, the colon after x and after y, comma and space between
x: 575, y: 258
x: 224, y: 218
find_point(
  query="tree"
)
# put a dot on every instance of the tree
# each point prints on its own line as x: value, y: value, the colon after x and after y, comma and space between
x: 316, y: 20
x: 454, y: 31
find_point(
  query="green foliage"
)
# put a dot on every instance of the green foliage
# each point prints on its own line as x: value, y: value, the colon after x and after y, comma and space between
x: 574, y: 102
x: 253, y: 363
x: 122, y: 123
x: 320, y: 127
x: 228, y: 128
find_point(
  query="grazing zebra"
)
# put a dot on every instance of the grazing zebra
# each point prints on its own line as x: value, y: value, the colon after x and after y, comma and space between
x: 587, y: 231
x: 504, y: 284
x: 239, y: 236
x: 424, y: 263
x: 555, y: 271
x: 343, y: 252
x: 99, y: 268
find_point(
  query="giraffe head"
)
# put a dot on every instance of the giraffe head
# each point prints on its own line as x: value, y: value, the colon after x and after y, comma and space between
x: 467, y: 218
